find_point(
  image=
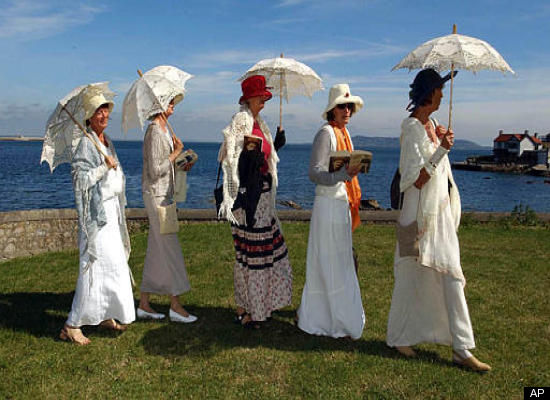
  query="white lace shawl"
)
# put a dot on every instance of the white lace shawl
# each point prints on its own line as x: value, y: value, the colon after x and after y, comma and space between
x: 416, y: 150
x: 241, y: 124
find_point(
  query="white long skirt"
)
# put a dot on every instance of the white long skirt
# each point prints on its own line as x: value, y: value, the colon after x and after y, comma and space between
x: 104, y: 290
x: 428, y: 306
x: 331, y: 301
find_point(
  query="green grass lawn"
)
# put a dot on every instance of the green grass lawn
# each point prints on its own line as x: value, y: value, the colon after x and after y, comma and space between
x: 508, y: 281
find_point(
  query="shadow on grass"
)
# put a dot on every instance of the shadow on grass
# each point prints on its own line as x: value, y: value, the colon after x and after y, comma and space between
x: 216, y: 332
x: 40, y: 314
x: 43, y: 315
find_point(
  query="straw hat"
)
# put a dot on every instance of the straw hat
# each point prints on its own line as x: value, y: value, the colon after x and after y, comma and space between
x: 340, y: 94
x: 92, y: 100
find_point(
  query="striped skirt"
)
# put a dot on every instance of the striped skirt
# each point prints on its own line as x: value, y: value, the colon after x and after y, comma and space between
x: 262, y: 273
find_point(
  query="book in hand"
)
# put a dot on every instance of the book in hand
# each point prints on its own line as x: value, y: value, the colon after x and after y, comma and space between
x: 251, y: 143
x: 186, y: 158
x: 356, y: 157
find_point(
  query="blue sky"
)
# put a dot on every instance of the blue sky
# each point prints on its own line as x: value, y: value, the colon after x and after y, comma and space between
x: 49, y: 47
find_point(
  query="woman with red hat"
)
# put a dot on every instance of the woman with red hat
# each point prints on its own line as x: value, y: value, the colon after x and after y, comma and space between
x: 262, y: 271
x: 428, y: 303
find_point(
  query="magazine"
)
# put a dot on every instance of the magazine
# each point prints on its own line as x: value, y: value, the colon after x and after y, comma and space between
x: 356, y: 157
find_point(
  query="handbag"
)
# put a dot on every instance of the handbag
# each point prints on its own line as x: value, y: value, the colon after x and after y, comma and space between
x: 218, y: 191
x: 407, y: 237
x: 396, y: 195
x: 168, y: 218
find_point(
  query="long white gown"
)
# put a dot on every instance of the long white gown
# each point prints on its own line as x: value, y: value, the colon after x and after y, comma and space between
x: 331, y: 301
x: 428, y: 303
x: 104, y: 289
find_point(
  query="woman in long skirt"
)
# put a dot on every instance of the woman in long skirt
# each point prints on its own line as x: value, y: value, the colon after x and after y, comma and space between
x: 164, y: 271
x: 103, y: 293
x: 428, y: 303
x: 331, y: 301
x: 262, y: 273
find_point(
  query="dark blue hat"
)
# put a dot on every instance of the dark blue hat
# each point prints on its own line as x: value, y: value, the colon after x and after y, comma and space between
x: 425, y: 82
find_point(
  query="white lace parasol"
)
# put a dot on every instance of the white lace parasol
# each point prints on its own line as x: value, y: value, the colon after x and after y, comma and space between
x: 151, y: 94
x: 62, y: 130
x: 288, y: 78
x: 453, y: 52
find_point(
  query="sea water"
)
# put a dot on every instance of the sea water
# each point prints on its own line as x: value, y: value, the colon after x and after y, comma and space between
x: 25, y: 184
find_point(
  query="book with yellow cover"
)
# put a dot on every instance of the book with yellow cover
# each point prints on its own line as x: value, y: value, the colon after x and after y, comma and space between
x: 356, y: 157
x: 251, y: 142
x: 186, y: 158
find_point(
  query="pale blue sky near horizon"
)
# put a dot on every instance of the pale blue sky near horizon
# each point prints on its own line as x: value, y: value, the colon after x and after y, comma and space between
x: 49, y: 47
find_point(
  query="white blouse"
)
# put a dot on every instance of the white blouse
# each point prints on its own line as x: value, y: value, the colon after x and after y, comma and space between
x: 112, y: 182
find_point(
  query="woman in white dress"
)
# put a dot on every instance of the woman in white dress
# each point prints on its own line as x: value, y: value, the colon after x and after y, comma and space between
x: 103, y: 293
x: 428, y: 303
x: 331, y: 301
x: 164, y: 271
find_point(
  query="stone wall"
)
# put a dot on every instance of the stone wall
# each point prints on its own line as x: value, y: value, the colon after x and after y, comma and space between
x: 25, y: 233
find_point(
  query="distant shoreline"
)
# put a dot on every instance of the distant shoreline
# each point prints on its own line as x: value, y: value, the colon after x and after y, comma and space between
x: 21, y: 139
x: 360, y: 141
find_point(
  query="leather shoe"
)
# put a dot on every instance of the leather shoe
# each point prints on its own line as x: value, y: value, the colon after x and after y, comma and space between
x: 142, y: 314
x: 175, y: 317
x: 471, y: 363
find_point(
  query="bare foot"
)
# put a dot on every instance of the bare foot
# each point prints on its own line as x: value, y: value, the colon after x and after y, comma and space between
x: 113, y: 325
x: 471, y: 363
x: 407, y: 351
x: 74, y: 335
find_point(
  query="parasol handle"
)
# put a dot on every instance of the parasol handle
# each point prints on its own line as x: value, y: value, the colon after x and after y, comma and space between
x: 84, y: 131
x: 451, y: 94
x: 161, y: 114
x: 451, y: 98
x: 281, y: 99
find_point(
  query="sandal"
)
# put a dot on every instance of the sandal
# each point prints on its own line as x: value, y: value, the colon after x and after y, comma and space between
x: 249, y: 324
x: 113, y: 325
x: 73, y: 335
x: 239, y: 318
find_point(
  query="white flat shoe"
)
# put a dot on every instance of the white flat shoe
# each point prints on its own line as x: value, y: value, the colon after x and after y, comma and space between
x: 142, y: 314
x: 175, y: 317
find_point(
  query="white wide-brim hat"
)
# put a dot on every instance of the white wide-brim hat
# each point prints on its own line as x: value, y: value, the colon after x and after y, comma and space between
x: 92, y: 100
x: 340, y: 94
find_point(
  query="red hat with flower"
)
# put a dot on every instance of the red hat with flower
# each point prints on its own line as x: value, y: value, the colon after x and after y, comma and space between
x: 254, y: 86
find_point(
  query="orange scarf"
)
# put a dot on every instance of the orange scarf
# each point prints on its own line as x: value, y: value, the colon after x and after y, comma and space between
x: 343, y: 142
